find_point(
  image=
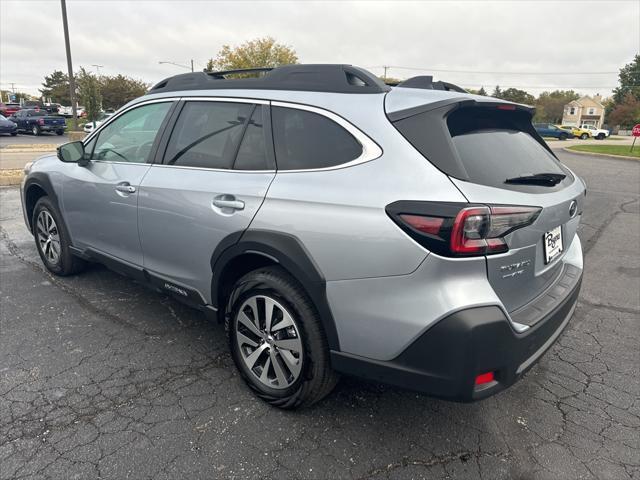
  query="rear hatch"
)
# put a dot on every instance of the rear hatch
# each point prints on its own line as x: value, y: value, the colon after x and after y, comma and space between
x: 492, y: 153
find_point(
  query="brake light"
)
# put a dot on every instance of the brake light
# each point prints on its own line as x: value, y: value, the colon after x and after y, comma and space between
x: 506, y: 107
x: 461, y: 230
x: 430, y: 225
x: 41, y: 121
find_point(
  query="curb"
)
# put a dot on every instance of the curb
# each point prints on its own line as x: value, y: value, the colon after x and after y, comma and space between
x: 623, y: 157
x: 44, y: 148
x: 10, y: 177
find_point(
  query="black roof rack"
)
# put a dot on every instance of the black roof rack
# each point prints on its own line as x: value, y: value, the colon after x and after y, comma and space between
x: 426, y: 82
x: 316, y: 78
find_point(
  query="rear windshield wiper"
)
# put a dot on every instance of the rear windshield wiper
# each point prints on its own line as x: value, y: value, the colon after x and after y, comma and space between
x: 544, y: 179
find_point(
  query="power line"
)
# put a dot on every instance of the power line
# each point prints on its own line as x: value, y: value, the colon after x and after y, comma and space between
x: 426, y: 69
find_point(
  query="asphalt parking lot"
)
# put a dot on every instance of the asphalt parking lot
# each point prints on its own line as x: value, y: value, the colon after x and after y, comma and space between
x: 102, y: 378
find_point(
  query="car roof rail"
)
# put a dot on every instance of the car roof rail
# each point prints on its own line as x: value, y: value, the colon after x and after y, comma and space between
x: 426, y: 82
x: 221, y: 75
x: 333, y: 78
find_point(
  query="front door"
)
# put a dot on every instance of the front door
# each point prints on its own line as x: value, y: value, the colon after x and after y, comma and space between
x: 213, y: 179
x: 101, y: 198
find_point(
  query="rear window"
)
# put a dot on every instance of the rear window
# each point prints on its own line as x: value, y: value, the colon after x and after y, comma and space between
x: 38, y: 113
x: 485, y: 145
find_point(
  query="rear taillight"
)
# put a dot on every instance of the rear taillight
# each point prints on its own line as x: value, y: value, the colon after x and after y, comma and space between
x: 459, y: 229
x: 41, y: 121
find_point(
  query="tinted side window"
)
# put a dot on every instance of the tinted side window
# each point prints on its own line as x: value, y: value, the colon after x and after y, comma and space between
x: 129, y: 137
x: 252, y: 153
x: 306, y: 140
x: 207, y: 134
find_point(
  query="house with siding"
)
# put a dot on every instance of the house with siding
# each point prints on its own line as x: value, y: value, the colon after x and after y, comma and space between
x: 584, y: 111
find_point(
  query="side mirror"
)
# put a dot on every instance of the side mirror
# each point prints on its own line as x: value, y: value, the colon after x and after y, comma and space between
x: 72, y: 152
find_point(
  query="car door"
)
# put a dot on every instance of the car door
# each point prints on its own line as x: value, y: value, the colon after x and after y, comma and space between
x: 101, y: 198
x: 215, y: 172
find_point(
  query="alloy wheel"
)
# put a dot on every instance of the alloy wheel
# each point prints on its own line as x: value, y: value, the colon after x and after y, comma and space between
x: 269, y: 341
x: 48, y: 237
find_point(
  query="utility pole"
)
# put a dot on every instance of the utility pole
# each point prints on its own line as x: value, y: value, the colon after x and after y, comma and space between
x: 13, y: 88
x: 72, y: 83
x: 192, y: 65
x: 98, y: 67
x: 385, y: 72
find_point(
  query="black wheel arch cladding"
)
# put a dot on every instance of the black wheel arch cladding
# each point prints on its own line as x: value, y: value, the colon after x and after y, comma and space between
x: 285, y: 250
x: 42, y: 181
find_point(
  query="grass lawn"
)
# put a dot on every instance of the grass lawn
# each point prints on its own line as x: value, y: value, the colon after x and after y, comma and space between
x: 609, y: 149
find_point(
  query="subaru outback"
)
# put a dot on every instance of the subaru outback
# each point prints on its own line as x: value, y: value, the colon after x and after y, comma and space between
x: 418, y: 236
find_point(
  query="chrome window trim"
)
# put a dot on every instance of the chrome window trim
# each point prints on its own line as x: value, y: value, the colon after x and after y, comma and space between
x: 228, y: 170
x: 225, y: 99
x: 370, y: 149
x: 119, y: 113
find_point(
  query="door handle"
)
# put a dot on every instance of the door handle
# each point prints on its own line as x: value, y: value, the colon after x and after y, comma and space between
x: 125, y: 187
x: 228, y: 201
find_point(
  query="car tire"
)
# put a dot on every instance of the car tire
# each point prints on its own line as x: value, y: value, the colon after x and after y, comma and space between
x: 53, y: 241
x: 35, y: 130
x: 59, y: 132
x: 13, y: 134
x: 584, y: 136
x: 563, y: 136
x: 600, y: 136
x: 296, y: 376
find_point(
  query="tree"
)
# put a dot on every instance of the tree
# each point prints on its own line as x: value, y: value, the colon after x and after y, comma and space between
x: 517, y: 96
x: 552, y: 104
x: 627, y: 113
x: 56, y: 88
x: 261, y: 52
x: 482, y: 92
x: 629, y: 78
x: 20, y: 96
x: 390, y: 80
x: 118, y: 90
x: 497, y: 93
x: 89, y: 94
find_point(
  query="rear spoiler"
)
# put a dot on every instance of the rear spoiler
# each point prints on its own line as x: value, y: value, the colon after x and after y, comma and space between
x: 433, y: 135
x: 458, y: 102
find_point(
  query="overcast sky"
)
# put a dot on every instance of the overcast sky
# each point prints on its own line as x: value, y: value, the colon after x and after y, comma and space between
x: 533, y: 45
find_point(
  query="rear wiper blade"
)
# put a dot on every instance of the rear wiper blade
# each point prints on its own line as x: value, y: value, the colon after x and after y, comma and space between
x: 545, y: 179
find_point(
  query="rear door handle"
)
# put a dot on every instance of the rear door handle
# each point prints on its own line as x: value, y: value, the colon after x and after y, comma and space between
x: 228, y: 201
x: 125, y: 187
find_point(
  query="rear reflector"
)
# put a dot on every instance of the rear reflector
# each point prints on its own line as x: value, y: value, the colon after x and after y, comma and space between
x: 506, y: 107
x: 485, y: 378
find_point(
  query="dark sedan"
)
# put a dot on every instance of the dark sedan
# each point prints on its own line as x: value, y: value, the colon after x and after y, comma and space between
x: 549, y: 130
x: 7, y: 126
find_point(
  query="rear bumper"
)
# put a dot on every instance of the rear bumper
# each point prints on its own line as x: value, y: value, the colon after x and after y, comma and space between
x: 445, y: 360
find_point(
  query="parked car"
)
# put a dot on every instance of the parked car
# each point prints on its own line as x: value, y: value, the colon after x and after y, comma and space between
x: 33, y: 104
x: 52, y: 107
x: 550, y: 130
x: 577, y: 132
x: 8, y: 109
x: 7, y: 126
x: 90, y: 126
x: 423, y: 237
x: 597, y: 133
x: 68, y: 111
x: 38, y: 121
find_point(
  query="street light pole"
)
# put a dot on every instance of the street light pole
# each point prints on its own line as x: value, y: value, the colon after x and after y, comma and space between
x: 176, y: 64
x: 72, y: 83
